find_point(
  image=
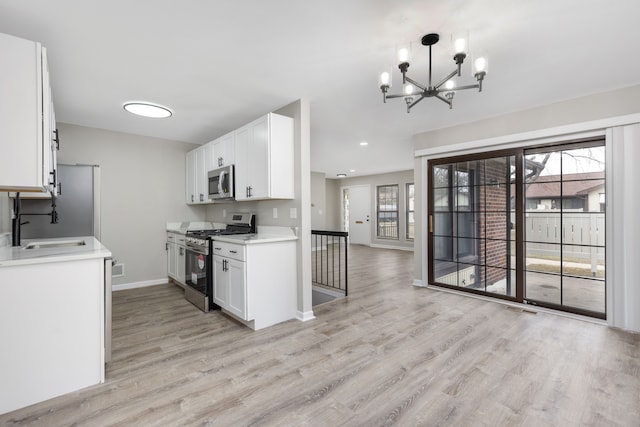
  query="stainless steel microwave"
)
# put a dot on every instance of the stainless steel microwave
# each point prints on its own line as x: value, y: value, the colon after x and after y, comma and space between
x: 221, y: 183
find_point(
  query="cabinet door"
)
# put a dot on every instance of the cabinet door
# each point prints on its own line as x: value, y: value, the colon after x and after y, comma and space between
x: 224, y: 150
x: 242, y: 162
x: 237, y: 303
x: 172, y: 260
x: 21, y: 110
x: 202, y: 193
x: 190, y: 190
x: 220, y: 282
x: 181, y: 259
x: 258, y: 159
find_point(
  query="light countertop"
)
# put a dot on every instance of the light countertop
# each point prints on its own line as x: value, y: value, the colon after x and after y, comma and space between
x: 53, y: 250
x: 254, y: 239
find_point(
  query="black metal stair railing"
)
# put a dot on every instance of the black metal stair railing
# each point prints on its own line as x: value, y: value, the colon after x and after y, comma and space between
x: 329, y: 259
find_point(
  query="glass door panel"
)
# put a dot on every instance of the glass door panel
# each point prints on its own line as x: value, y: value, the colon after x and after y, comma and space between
x: 555, y: 194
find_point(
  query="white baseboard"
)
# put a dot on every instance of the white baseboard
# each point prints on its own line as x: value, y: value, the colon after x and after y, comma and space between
x: 142, y: 284
x: 305, y: 316
x: 402, y: 248
x: 418, y: 282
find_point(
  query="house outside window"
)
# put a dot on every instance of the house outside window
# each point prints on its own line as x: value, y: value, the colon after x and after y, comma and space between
x: 410, y: 212
x: 387, y: 212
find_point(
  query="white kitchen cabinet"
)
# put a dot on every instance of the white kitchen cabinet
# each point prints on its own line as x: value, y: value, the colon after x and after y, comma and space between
x: 230, y: 289
x: 223, y: 151
x: 176, y: 257
x: 256, y: 283
x: 196, y: 179
x: 264, y: 159
x: 27, y: 163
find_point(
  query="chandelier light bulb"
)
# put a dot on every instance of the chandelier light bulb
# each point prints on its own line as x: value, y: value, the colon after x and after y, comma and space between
x: 480, y: 65
x: 385, y: 79
x: 408, y: 90
x: 403, y: 55
x: 449, y: 85
x: 460, y: 45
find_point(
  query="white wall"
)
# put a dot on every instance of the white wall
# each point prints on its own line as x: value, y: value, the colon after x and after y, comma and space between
x: 399, y: 178
x: 318, y: 201
x: 142, y: 188
x: 332, y: 204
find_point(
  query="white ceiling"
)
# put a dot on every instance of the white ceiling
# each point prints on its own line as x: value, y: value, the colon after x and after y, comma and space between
x: 220, y: 64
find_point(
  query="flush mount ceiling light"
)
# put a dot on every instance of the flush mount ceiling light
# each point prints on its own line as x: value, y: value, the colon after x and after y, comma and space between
x: 414, y: 92
x: 341, y: 175
x: 364, y: 143
x: 148, y: 110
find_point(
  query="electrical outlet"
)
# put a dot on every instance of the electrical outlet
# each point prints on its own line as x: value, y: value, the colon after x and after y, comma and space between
x: 293, y: 213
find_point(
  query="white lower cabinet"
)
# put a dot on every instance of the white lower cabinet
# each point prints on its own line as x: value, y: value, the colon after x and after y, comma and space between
x: 256, y: 283
x: 176, y: 257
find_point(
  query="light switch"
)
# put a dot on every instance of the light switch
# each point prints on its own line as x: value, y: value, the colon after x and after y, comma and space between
x: 293, y: 213
x: 275, y: 213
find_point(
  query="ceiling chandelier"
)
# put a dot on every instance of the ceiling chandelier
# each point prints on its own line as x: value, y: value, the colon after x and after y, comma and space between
x: 445, y: 89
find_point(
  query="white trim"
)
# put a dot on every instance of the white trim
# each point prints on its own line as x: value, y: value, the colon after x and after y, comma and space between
x: 402, y: 248
x: 305, y: 316
x: 558, y: 133
x: 419, y: 283
x: 524, y: 307
x: 143, y: 284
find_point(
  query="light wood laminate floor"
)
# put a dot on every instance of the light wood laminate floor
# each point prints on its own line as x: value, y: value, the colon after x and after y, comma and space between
x: 389, y: 354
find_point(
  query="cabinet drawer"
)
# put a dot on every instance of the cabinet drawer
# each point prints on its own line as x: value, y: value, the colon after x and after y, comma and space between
x: 171, y: 238
x: 229, y: 250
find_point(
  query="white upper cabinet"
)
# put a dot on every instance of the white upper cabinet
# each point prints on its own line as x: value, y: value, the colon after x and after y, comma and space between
x: 196, y: 179
x: 264, y: 159
x: 26, y: 118
x: 223, y: 151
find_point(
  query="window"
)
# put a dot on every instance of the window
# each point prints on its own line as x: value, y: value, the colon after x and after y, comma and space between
x: 410, y: 213
x: 387, y: 211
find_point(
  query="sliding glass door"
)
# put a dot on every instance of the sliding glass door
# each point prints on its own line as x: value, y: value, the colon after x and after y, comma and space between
x: 554, y: 196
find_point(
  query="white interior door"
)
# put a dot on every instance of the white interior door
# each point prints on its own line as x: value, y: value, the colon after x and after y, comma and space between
x: 357, y: 213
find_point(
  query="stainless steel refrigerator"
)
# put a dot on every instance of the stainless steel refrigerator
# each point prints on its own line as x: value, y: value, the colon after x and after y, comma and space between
x: 78, y: 206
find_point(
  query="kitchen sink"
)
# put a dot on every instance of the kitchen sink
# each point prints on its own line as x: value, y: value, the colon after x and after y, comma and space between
x: 55, y: 244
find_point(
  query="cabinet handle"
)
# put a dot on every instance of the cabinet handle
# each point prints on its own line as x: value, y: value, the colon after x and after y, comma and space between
x: 249, y: 188
x: 181, y: 251
x: 192, y: 198
x: 166, y: 246
x: 224, y: 265
x: 56, y: 139
x: 201, y: 197
x: 234, y: 252
x: 217, y: 249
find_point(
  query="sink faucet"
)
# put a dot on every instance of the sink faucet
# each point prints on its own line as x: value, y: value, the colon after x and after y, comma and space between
x: 16, y: 218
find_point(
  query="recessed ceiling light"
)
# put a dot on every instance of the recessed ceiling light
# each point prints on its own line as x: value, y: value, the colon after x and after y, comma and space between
x: 363, y: 143
x: 352, y: 170
x: 148, y: 110
x: 341, y: 175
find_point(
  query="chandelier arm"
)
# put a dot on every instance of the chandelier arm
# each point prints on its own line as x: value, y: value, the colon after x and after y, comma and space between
x: 415, y: 83
x: 396, y: 95
x: 453, y: 73
x: 476, y: 86
x: 446, y: 101
x: 414, y: 103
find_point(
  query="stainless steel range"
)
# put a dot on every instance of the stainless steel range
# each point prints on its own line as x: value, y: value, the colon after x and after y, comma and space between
x: 199, y: 259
